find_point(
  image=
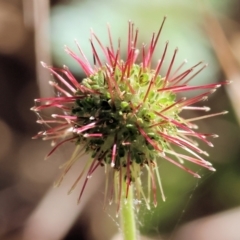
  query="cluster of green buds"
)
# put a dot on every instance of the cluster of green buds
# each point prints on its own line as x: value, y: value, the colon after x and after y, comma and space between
x: 126, y: 115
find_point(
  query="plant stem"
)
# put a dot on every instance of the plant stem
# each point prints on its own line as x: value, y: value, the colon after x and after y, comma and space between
x: 127, y: 212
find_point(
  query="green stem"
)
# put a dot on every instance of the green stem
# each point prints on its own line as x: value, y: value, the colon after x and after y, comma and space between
x: 127, y: 212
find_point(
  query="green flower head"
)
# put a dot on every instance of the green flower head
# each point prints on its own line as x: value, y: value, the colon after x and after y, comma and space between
x: 126, y: 115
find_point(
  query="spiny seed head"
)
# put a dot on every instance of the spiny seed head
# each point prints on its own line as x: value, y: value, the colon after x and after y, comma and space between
x: 125, y: 114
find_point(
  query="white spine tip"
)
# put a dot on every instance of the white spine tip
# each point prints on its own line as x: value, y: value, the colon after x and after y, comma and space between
x: 208, y: 163
x: 43, y: 64
x: 207, y: 109
x: 213, y: 91
x: 205, y: 153
x: 136, y: 51
x: 54, y: 115
x: 194, y: 126
x: 163, y: 154
x: 112, y: 165
x: 205, y: 97
x: 212, y: 169
x: 52, y: 83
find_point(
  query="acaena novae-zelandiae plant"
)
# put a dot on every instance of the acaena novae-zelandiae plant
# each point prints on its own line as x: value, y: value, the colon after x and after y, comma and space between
x: 126, y: 115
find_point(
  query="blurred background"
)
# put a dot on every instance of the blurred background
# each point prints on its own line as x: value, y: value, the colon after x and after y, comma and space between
x: 32, y: 31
